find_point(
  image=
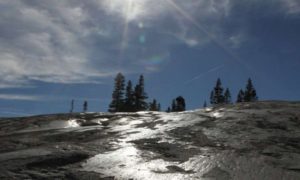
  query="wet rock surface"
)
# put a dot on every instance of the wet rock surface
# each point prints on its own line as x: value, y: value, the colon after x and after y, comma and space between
x: 245, y: 141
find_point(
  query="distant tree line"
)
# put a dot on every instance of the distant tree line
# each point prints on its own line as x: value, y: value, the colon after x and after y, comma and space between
x: 219, y: 96
x: 129, y: 98
x: 132, y: 98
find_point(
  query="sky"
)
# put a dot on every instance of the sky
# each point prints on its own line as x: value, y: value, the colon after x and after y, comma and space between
x: 54, y: 51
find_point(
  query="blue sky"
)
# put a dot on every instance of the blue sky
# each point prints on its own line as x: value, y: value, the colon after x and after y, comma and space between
x: 55, y: 51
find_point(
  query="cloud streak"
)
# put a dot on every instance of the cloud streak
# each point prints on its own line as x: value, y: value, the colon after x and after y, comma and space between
x: 20, y: 97
x: 204, y: 74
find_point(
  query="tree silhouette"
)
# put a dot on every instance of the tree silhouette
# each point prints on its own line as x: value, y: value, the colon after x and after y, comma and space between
x: 212, y: 97
x: 72, y: 106
x: 117, y: 102
x: 250, y: 92
x: 217, y: 96
x: 140, y: 95
x: 85, y: 106
x: 227, y: 96
x: 173, y: 106
x: 178, y: 104
x: 241, y: 96
x: 153, y: 106
x: 129, y: 98
x: 168, y: 110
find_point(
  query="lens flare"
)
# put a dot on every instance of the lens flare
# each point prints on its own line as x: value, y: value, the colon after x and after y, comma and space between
x: 156, y: 60
x: 142, y: 39
x: 127, y: 10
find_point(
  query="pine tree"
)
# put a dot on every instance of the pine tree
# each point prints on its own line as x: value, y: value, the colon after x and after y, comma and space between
x: 117, y: 103
x: 129, y: 98
x: 173, y: 106
x: 140, y: 95
x: 180, y: 104
x: 241, y: 96
x: 216, y: 96
x: 168, y: 110
x: 250, y: 92
x: 85, y: 106
x: 227, y: 96
x: 153, y: 105
x: 218, y: 90
x: 212, y: 97
x: 158, y: 107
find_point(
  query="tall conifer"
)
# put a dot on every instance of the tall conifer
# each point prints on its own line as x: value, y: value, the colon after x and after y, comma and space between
x: 85, y: 106
x: 227, y: 96
x: 173, y: 106
x: 117, y: 103
x: 72, y: 106
x: 140, y: 95
x: 250, y: 92
x: 241, y: 96
x: 153, y: 106
x: 212, y: 97
x: 217, y: 96
x: 129, y: 98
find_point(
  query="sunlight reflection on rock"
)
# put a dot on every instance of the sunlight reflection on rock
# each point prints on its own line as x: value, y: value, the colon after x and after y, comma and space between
x: 72, y: 123
x: 209, y: 109
x: 126, y: 163
x: 217, y: 114
x: 100, y: 120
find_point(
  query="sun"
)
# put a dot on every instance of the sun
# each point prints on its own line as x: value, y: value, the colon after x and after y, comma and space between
x: 132, y: 9
x: 128, y: 9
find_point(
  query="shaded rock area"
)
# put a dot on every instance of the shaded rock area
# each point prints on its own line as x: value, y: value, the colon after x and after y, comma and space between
x: 217, y: 174
x: 58, y: 160
x: 245, y: 141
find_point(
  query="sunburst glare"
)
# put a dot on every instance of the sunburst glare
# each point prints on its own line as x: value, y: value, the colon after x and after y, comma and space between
x: 132, y: 9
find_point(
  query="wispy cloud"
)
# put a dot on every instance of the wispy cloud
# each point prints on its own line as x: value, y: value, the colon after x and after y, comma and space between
x: 79, y: 41
x: 49, y: 98
x: 20, y: 97
x: 75, y: 41
x: 46, y: 42
x: 292, y: 6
